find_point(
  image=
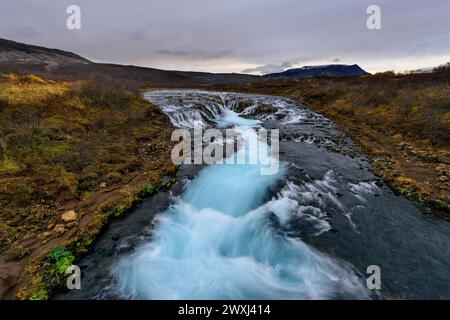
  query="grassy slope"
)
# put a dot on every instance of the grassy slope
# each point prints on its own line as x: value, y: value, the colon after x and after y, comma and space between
x: 402, y: 121
x: 68, y: 146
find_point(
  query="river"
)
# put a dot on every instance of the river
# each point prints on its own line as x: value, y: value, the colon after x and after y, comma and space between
x: 309, y: 231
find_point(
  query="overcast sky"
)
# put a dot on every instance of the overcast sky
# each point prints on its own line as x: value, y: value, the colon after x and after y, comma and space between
x: 257, y: 36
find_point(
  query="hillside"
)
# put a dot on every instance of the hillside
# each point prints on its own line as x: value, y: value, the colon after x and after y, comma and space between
x: 20, y: 54
x: 92, y: 149
x: 62, y: 65
x: 332, y: 70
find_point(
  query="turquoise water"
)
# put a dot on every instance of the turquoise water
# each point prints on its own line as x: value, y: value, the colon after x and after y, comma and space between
x: 232, y: 233
x: 232, y: 118
x: 218, y: 241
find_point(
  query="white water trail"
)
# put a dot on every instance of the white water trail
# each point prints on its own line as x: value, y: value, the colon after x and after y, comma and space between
x: 218, y: 241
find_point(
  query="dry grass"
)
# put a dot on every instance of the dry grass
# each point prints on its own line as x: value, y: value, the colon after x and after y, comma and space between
x: 60, y: 142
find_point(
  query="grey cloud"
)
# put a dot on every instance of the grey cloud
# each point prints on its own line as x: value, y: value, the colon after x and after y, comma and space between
x: 169, y: 52
x: 224, y: 53
x: 194, y: 54
x: 138, y: 35
x: 235, y: 34
x: 25, y: 32
x: 269, y: 68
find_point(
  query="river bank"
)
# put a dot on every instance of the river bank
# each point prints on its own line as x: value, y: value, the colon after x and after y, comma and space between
x: 73, y: 156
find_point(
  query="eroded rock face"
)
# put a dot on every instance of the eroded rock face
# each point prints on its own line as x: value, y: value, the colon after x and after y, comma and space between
x: 69, y: 216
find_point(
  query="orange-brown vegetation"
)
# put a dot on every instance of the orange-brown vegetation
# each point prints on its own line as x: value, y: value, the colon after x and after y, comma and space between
x: 92, y: 147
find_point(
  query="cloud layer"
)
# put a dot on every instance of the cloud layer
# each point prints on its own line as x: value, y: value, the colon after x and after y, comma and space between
x: 257, y: 36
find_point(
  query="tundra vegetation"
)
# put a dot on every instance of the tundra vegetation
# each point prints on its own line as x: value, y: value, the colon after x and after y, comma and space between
x: 72, y: 155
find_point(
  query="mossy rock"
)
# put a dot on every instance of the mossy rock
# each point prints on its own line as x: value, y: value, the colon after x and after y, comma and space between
x: 118, y: 206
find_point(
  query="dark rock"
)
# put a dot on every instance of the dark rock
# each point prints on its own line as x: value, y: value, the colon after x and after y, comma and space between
x: 165, y: 179
x: 402, y: 145
x: 379, y: 183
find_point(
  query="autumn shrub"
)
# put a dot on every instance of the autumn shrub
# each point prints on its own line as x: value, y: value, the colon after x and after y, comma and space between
x: 102, y: 94
x: 62, y: 141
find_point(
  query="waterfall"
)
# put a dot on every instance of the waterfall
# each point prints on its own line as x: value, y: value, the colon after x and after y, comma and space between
x: 219, y: 239
x: 187, y: 109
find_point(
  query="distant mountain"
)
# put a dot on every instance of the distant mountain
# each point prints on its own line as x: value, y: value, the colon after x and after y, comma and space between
x: 63, y: 65
x: 332, y: 70
x: 58, y: 64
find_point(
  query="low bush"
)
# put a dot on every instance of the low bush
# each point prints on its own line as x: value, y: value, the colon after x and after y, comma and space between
x: 61, y: 142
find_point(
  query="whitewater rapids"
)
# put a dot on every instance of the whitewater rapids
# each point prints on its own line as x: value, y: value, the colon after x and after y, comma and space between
x: 220, y: 239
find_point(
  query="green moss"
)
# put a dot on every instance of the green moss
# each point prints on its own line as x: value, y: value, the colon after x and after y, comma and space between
x: 120, y: 205
x: 40, y: 295
x: 62, y: 259
x: 147, y: 188
x: 46, y: 274
x: 441, y: 204
x: 83, y: 242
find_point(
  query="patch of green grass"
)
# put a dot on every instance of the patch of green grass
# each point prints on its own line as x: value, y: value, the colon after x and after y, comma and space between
x: 147, y: 188
x: 62, y: 259
x: 43, y: 278
x: 40, y: 295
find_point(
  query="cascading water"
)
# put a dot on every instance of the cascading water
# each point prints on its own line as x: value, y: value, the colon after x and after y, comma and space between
x: 222, y: 238
x: 226, y: 231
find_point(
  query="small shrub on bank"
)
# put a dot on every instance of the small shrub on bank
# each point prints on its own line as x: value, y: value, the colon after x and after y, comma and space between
x: 147, y: 188
x: 104, y: 95
x: 62, y: 259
